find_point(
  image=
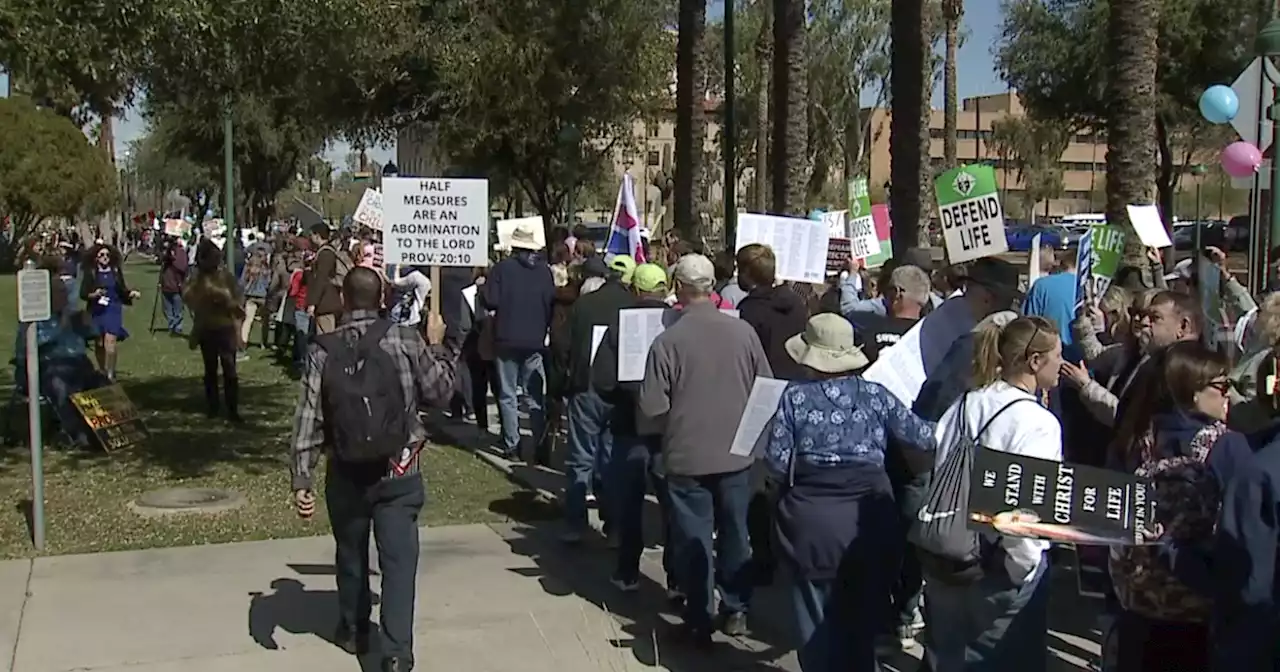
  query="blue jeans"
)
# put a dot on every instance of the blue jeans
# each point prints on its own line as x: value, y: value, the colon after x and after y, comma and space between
x: 990, y: 625
x: 630, y: 474
x: 523, y: 369
x: 590, y: 443
x: 701, y: 505
x: 173, y: 310
x: 302, y: 325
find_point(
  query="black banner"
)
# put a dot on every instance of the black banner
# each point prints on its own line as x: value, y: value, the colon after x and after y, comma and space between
x: 1059, y: 501
x: 112, y: 417
x: 838, y: 252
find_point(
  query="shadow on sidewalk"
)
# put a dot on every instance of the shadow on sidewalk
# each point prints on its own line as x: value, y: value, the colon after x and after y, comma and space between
x: 633, y: 621
x: 296, y: 610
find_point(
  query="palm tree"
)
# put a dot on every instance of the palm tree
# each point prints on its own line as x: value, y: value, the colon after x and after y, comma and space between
x: 764, y: 49
x: 952, y: 11
x: 1132, y: 53
x: 791, y: 107
x: 910, y: 64
x: 691, y: 125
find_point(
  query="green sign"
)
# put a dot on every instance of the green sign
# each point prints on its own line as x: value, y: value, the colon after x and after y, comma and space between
x: 1108, y: 248
x: 860, y: 206
x: 971, y: 215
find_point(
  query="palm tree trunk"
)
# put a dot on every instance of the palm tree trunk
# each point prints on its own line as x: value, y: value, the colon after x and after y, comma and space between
x: 791, y: 93
x: 1131, y: 107
x: 952, y: 11
x: 764, y: 49
x: 691, y: 126
x: 909, y: 61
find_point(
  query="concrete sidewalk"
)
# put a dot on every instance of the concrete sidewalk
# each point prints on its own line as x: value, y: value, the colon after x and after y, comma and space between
x: 489, y: 598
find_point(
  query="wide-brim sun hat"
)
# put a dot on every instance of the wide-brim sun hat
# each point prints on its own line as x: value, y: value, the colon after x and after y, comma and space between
x: 523, y: 238
x: 827, y: 344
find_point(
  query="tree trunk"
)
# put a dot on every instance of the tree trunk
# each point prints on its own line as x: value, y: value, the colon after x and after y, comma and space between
x: 791, y: 101
x: 1131, y: 107
x: 764, y: 48
x: 929, y: 28
x: 1166, y: 183
x: 691, y: 126
x: 909, y: 61
x: 952, y: 11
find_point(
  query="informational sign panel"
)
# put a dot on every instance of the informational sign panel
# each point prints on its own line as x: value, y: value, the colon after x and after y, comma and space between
x: 369, y: 212
x: 799, y: 245
x: 971, y: 214
x: 112, y: 417
x: 432, y: 221
x: 35, y: 295
x: 1025, y: 496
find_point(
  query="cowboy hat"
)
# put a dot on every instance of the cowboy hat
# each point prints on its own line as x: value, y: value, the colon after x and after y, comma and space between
x: 523, y: 238
x: 827, y: 344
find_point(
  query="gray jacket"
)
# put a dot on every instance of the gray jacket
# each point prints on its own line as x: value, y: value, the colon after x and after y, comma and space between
x: 697, y: 378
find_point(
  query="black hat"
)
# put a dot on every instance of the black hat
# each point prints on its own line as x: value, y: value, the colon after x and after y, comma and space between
x: 594, y: 267
x: 995, y: 274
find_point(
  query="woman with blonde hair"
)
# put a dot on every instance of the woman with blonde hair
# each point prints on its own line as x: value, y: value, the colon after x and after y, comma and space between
x: 974, y: 604
x: 216, y: 303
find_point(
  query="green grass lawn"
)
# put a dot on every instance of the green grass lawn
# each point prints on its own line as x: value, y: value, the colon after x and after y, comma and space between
x: 87, y: 492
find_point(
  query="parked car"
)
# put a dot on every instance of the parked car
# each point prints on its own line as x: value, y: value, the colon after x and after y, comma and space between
x: 1212, y: 234
x: 1020, y: 237
x: 1235, y: 234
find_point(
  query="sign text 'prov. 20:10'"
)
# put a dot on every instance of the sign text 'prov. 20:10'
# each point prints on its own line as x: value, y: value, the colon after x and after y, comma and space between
x: 435, y: 221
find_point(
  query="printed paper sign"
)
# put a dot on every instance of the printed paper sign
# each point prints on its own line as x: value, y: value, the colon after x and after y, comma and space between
x: 839, y: 252
x: 436, y: 221
x: 837, y: 223
x: 762, y: 405
x: 369, y: 212
x: 1024, y: 496
x: 1084, y: 270
x: 972, y: 218
x: 901, y: 368
x: 1147, y: 224
x: 800, y: 245
x: 638, y: 328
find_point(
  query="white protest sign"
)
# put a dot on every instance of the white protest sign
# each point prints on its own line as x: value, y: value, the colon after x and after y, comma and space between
x: 507, y: 227
x: 470, y: 295
x: 837, y: 223
x: 1147, y: 224
x: 597, y: 337
x: 369, y: 212
x: 1033, y: 264
x: 799, y: 245
x: 863, y: 241
x: 762, y: 405
x: 35, y: 295
x: 436, y: 221
x: 971, y: 215
x: 637, y: 329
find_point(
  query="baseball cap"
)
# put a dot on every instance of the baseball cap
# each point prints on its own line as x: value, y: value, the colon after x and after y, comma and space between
x: 649, y: 278
x: 594, y: 267
x: 624, y: 264
x: 695, y: 270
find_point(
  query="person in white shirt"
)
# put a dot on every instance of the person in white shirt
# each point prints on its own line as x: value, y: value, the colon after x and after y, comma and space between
x: 411, y: 289
x: 1001, y: 618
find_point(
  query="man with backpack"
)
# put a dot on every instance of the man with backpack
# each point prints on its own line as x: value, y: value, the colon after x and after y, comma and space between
x: 324, y: 282
x: 361, y: 391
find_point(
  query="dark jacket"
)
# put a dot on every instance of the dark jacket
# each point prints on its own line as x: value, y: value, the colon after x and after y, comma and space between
x: 558, y: 361
x: 1246, y: 605
x: 597, y: 308
x: 89, y: 284
x: 321, y: 290
x: 777, y: 314
x: 521, y: 293
x: 453, y: 305
x: 173, y: 272
x: 604, y: 376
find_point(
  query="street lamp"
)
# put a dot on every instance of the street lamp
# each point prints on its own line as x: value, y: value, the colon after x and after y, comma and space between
x: 1268, y: 44
x: 571, y: 139
x: 1198, y: 171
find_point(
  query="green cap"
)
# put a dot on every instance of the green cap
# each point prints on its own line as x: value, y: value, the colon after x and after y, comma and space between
x: 649, y: 278
x: 624, y: 264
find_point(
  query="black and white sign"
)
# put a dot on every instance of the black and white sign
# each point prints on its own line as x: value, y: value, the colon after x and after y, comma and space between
x: 432, y: 221
x: 35, y: 295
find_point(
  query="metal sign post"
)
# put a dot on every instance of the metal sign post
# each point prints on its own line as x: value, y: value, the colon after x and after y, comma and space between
x: 35, y: 304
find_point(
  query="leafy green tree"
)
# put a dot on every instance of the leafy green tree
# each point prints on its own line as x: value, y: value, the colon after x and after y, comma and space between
x: 544, y: 91
x: 1032, y: 148
x: 1065, y: 64
x: 159, y: 164
x: 48, y: 169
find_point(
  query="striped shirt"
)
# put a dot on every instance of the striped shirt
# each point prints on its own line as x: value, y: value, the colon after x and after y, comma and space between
x: 426, y: 375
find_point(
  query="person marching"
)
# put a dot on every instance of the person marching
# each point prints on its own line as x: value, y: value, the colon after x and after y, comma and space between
x: 216, y: 302
x: 105, y: 292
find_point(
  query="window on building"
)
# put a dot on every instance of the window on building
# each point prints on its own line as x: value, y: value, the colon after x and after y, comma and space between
x: 653, y: 158
x: 936, y: 133
x: 652, y: 130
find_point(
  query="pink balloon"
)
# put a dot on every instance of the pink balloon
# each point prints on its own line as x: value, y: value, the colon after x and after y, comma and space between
x: 1241, y: 159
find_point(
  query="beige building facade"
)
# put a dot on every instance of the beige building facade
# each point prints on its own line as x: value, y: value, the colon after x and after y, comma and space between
x: 1083, y: 163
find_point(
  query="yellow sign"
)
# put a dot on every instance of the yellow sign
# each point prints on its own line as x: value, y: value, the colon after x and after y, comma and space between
x: 112, y: 416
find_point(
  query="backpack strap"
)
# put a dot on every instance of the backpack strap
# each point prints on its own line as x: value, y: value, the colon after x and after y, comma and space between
x: 985, y: 425
x: 373, y: 335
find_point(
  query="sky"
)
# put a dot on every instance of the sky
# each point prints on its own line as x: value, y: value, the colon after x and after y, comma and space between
x: 975, y: 69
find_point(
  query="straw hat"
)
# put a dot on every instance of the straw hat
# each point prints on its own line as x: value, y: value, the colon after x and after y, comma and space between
x: 522, y: 238
x: 827, y: 345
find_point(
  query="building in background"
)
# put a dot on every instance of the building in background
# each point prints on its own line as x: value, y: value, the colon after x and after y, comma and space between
x: 1083, y: 163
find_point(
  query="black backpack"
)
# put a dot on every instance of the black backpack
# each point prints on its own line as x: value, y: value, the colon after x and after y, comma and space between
x: 364, y: 405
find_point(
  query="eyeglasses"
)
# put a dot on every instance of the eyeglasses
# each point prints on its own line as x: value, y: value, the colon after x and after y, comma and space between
x: 1027, y: 353
x: 1223, y: 386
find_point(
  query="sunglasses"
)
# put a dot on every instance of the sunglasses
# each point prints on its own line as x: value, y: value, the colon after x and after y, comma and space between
x: 1222, y: 386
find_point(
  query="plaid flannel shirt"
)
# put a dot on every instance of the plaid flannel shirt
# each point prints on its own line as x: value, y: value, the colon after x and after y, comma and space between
x: 426, y: 374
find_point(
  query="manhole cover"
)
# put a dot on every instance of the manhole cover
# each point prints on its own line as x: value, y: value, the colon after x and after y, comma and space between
x: 187, y: 500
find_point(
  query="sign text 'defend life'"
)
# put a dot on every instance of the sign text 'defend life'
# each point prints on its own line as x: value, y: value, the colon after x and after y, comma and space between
x: 970, y: 213
x: 435, y: 221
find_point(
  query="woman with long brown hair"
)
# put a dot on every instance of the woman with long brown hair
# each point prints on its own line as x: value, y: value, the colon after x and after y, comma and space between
x: 972, y: 604
x: 216, y: 303
x: 1174, y: 435
x: 104, y: 290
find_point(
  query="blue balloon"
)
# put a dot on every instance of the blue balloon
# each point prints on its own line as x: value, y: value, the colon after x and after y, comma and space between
x: 1219, y: 104
x: 816, y: 214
